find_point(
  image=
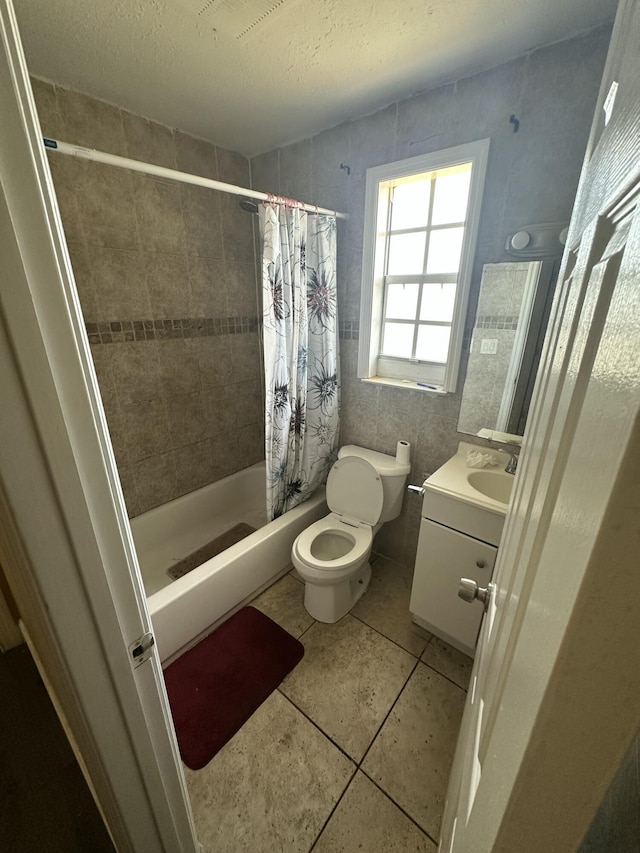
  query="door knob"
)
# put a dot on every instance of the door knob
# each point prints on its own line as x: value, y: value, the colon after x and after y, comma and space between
x: 469, y: 591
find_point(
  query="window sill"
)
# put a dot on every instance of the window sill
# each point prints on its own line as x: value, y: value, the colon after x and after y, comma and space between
x: 407, y: 384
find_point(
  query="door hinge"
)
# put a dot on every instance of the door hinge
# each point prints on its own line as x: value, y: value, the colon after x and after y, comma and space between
x: 140, y: 649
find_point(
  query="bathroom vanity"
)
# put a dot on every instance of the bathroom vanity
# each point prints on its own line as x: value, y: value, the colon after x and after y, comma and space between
x: 463, y: 512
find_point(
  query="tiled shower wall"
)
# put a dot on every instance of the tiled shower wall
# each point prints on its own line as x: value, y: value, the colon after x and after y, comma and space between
x: 166, y: 277
x: 532, y: 177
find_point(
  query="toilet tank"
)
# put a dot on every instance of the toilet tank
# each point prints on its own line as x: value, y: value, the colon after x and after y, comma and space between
x: 393, y: 476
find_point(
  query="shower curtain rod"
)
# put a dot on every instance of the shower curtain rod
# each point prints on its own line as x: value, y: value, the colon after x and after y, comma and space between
x: 174, y: 174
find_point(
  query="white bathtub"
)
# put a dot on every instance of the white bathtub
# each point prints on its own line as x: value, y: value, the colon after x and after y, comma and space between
x: 184, y: 610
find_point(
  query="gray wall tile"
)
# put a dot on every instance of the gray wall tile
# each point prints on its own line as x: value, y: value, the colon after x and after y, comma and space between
x: 178, y: 367
x: 265, y: 172
x: 195, y: 156
x: 120, y: 283
x: 145, y: 428
x: 240, y: 287
x: 215, y: 365
x: 156, y: 480
x: 146, y: 248
x: 194, y: 466
x: 233, y: 168
x: 532, y: 176
x: 91, y: 123
x: 129, y: 490
x: 237, y: 229
x: 202, y: 221
x: 166, y: 281
x: 105, y: 199
x: 159, y: 215
x: 64, y: 171
x: 187, y: 419
x: 149, y: 141
x: 83, y: 274
x: 209, y: 292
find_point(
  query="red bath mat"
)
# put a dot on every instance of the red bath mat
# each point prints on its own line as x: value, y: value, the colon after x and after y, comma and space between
x: 216, y: 686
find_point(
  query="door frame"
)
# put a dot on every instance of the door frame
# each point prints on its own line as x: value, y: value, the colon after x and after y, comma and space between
x: 65, y: 539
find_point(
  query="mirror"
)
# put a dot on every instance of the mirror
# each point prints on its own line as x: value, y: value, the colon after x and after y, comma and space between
x: 511, y: 319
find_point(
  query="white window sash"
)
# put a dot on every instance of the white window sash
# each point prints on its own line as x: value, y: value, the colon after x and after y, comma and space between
x: 370, y: 363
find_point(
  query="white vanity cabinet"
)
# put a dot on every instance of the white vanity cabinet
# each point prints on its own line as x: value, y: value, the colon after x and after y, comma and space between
x: 444, y: 556
x: 460, y: 532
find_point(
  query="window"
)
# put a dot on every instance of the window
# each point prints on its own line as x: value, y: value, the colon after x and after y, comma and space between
x: 421, y: 221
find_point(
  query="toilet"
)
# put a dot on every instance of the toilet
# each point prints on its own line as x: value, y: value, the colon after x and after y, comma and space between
x: 364, y: 489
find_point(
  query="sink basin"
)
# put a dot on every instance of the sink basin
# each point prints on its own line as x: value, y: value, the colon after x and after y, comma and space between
x: 471, y: 500
x: 475, y: 490
x: 496, y: 485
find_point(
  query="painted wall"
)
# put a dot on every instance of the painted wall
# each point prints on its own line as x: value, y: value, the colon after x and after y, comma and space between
x: 166, y: 278
x: 532, y: 177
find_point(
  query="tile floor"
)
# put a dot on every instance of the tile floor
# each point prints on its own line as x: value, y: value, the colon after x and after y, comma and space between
x: 353, y: 751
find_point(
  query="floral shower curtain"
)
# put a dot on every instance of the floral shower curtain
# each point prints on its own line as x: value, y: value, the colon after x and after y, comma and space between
x: 300, y: 352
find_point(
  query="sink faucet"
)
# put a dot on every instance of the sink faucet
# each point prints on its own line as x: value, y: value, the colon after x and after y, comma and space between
x: 512, y: 464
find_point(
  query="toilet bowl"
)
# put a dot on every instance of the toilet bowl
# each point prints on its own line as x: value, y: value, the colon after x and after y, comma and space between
x: 332, y: 555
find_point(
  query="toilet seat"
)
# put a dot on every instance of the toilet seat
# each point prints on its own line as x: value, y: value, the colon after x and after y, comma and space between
x: 360, y: 536
x: 356, y: 496
x: 355, y: 491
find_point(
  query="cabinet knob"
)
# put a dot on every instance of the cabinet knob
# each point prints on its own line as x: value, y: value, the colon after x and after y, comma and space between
x: 469, y: 591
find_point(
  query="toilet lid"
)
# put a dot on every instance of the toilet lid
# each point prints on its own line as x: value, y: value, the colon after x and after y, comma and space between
x: 354, y: 490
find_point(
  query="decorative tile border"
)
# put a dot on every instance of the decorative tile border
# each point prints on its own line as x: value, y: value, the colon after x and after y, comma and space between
x: 497, y: 321
x: 349, y: 330
x: 119, y: 331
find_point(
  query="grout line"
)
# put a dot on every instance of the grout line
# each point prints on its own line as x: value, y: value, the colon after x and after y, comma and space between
x: 307, y: 629
x: 333, y: 810
x: 398, y: 806
x: 442, y: 675
x: 316, y: 726
x: 358, y: 764
x: 337, y: 745
x: 395, y: 701
x: 390, y: 639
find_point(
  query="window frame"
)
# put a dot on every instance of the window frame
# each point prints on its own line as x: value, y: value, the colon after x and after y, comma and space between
x: 444, y: 377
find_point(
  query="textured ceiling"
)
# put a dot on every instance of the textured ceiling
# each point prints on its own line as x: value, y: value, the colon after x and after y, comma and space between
x: 251, y: 75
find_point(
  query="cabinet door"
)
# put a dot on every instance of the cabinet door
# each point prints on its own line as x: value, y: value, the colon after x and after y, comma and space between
x: 444, y: 556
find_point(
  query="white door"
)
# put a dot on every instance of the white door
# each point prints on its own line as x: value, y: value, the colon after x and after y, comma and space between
x: 65, y: 540
x: 554, y: 700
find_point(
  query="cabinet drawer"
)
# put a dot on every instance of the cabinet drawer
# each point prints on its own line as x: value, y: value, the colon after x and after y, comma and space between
x: 444, y: 556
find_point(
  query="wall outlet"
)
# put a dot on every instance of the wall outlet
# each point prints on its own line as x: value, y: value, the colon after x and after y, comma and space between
x: 489, y: 346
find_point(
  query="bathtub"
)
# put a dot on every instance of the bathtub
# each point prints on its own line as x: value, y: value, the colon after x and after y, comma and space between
x: 185, y: 610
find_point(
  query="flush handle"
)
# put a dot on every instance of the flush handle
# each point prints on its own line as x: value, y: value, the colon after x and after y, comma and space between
x: 416, y: 490
x: 469, y: 591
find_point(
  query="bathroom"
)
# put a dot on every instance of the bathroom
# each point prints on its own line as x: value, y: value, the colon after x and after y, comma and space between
x: 186, y: 410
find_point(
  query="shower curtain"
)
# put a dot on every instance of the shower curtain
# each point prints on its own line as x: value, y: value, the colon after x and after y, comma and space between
x: 300, y: 352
